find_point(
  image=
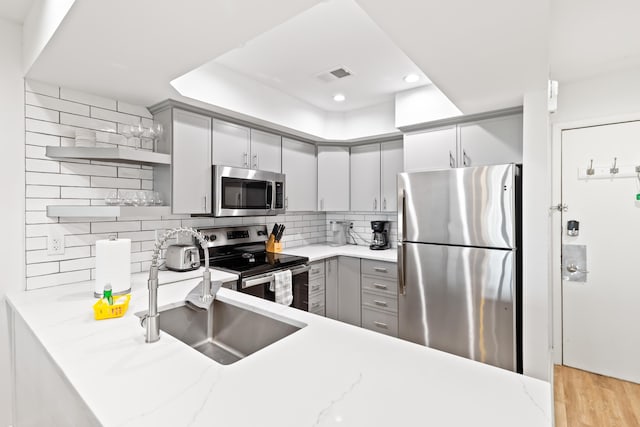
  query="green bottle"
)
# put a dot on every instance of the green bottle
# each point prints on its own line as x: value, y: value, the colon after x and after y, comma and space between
x: 107, y: 294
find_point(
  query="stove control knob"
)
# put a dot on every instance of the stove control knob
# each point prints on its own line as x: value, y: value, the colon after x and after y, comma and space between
x: 212, y: 237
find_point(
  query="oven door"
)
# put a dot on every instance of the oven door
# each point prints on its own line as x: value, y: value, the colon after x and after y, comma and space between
x: 259, y: 286
x: 246, y: 192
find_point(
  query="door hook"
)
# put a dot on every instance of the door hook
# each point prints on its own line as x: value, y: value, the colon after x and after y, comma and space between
x: 590, y: 170
x: 614, y: 170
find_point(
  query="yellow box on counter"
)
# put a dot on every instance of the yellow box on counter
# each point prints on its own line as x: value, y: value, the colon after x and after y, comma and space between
x: 103, y: 310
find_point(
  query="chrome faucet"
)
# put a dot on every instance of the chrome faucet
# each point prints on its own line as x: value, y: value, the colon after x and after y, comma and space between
x: 201, y: 296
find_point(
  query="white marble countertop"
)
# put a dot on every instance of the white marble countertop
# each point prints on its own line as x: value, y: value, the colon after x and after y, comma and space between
x: 328, y: 373
x: 322, y: 251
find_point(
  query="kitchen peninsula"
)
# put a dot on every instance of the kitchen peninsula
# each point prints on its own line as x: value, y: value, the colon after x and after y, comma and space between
x: 327, y: 373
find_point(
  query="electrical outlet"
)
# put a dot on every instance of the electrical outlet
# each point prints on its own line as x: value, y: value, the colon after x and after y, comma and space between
x: 55, y: 244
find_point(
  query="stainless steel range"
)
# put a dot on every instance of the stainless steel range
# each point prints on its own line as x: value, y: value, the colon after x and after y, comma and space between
x: 241, y: 250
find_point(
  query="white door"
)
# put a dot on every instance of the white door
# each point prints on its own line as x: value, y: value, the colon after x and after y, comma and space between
x: 490, y: 142
x: 230, y: 144
x: 266, y: 151
x: 299, y: 164
x: 333, y: 178
x: 429, y: 150
x: 601, y: 317
x: 365, y: 178
x: 390, y: 166
x: 191, y: 169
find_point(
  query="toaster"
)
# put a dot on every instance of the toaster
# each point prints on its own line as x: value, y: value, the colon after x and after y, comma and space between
x: 182, y: 258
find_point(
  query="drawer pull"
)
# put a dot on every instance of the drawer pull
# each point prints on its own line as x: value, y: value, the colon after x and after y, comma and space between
x: 380, y: 286
x: 381, y: 269
x: 381, y: 325
x: 315, y: 270
x: 315, y: 288
x: 380, y: 303
x: 315, y: 304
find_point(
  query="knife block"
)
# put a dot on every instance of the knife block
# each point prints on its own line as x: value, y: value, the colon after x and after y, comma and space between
x: 272, y: 245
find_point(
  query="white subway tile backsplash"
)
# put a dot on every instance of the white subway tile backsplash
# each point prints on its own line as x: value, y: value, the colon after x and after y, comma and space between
x: 43, y: 268
x: 83, y: 239
x: 114, y: 227
x: 42, y: 88
x: 55, y: 104
x: 69, y: 253
x: 39, y: 126
x: 137, y: 236
x: 41, y: 204
x: 39, y: 113
x: 37, y: 165
x: 88, y: 123
x: 59, y: 279
x: 115, y: 183
x: 114, y: 116
x: 134, y: 109
x: 35, y: 152
x: 146, y: 184
x: 42, y: 139
x: 87, y: 98
x: 84, y: 193
x: 38, y: 217
x: 34, y: 243
x: 87, y: 169
x: 43, y: 191
x: 135, y: 173
x: 77, y: 264
x: 58, y: 229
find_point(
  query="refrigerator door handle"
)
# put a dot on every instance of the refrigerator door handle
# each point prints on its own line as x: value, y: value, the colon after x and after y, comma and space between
x: 402, y: 290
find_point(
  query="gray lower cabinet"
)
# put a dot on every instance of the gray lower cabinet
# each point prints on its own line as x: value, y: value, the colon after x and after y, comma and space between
x: 379, y: 287
x: 331, y: 288
x: 317, y: 288
x: 349, y: 302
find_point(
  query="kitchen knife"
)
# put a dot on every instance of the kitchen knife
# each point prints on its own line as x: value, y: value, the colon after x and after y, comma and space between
x: 280, y: 233
x: 274, y: 232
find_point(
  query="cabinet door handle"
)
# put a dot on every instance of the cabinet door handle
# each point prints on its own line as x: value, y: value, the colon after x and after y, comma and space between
x: 286, y: 202
x: 204, y: 203
x: 380, y: 286
x: 384, y: 204
x: 452, y: 161
x: 245, y: 160
x: 380, y: 269
x: 375, y: 203
x: 381, y: 325
x: 322, y: 204
x: 315, y: 304
x: 315, y: 270
x: 465, y: 158
x: 380, y: 303
x: 315, y: 288
x: 255, y: 161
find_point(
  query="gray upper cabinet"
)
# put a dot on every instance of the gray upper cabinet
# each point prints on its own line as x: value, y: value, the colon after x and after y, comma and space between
x: 300, y: 167
x: 490, y: 142
x: 374, y: 168
x: 191, y: 169
x: 365, y: 178
x: 240, y: 146
x: 391, y: 165
x: 231, y: 144
x: 483, y: 142
x: 333, y: 178
x: 266, y: 151
x: 431, y: 149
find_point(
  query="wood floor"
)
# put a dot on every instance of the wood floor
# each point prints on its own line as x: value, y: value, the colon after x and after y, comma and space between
x: 583, y: 399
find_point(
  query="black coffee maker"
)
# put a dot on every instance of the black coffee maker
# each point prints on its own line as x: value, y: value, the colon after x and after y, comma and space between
x: 380, y: 237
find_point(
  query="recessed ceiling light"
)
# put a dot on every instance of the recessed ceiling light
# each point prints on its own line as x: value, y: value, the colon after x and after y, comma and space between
x: 338, y: 97
x: 411, y: 78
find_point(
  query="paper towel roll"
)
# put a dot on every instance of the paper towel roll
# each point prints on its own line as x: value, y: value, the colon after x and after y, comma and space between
x: 113, y: 265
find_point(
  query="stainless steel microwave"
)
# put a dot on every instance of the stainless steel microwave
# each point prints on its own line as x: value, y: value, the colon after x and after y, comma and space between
x: 247, y: 192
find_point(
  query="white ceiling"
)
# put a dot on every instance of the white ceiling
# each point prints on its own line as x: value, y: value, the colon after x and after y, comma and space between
x: 330, y: 35
x: 15, y: 10
x: 591, y: 37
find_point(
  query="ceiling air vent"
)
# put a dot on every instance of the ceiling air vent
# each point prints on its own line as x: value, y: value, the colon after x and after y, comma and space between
x: 334, y: 74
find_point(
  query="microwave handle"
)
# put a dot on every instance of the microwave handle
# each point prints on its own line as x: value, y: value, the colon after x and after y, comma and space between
x: 269, y: 195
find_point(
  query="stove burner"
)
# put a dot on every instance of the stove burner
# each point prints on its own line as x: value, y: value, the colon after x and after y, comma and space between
x: 251, y: 257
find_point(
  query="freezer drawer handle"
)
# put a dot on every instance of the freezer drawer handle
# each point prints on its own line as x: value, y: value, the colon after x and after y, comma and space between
x: 380, y: 303
x: 381, y: 325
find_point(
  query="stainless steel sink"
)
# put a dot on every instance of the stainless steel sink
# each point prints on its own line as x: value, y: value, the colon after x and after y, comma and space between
x: 225, y: 333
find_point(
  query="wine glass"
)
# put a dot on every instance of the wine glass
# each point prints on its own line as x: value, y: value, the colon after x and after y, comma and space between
x: 155, y: 132
x: 137, y: 131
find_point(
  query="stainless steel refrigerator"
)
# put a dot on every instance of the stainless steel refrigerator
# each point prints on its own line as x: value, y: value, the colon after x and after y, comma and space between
x: 459, y: 262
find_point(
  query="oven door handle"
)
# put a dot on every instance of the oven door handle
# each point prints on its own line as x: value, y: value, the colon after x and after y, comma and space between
x: 269, y: 277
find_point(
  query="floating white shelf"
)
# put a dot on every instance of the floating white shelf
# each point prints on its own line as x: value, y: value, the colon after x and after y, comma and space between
x: 110, y: 154
x: 107, y: 211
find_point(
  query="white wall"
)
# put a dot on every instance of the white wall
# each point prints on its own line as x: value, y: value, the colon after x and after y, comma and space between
x: 536, y: 191
x: 361, y: 123
x: 41, y: 23
x: 12, y: 178
x: 423, y: 104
